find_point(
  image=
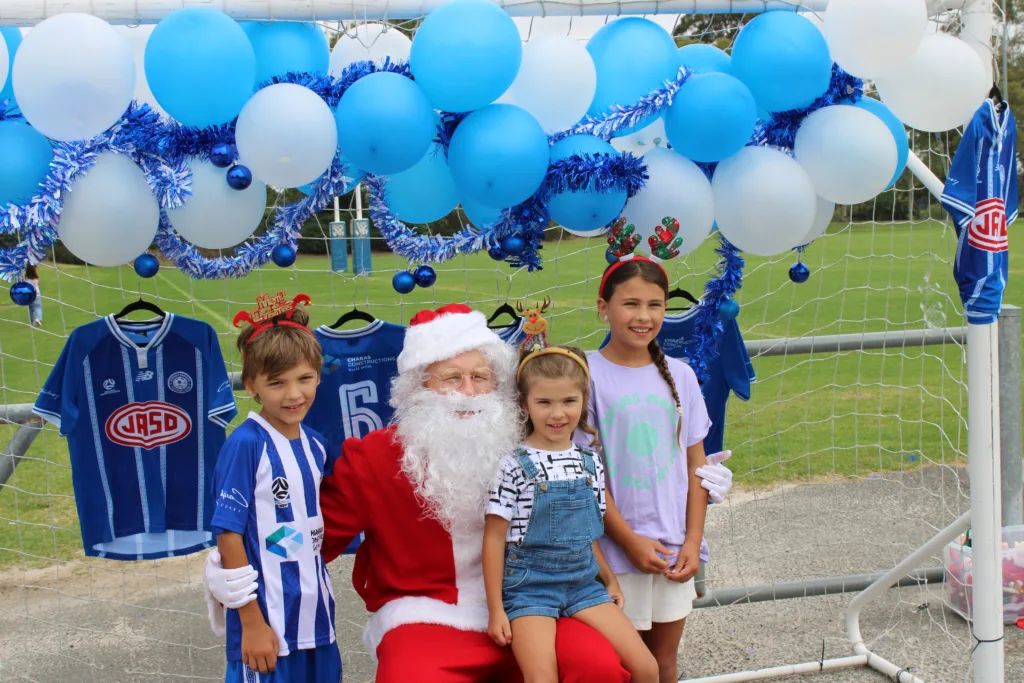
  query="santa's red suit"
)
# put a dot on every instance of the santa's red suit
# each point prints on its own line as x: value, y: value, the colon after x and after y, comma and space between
x: 424, y: 584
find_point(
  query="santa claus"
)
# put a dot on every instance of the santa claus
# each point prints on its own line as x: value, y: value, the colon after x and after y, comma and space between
x: 417, y: 491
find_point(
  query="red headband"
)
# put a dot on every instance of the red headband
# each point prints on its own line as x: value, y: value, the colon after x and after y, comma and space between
x: 627, y: 259
x: 268, y: 308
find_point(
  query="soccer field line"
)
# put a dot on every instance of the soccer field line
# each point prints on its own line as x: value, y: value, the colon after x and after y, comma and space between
x: 189, y: 297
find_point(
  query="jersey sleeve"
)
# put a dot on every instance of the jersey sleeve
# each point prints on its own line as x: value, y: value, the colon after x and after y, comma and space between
x: 1011, y: 171
x: 959, y: 196
x: 503, y: 494
x: 340, y: 501
x: 57, y: 402
x: 234, y: 482
x: 220, y: 398
x: 696, y: 410
x: 738, y: 370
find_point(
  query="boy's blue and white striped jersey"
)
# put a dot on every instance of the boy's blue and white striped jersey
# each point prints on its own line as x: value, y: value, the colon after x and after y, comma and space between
x: 144, y: 407
x: 267, y: 489
x: 512, y: 334
x: 981, y: 196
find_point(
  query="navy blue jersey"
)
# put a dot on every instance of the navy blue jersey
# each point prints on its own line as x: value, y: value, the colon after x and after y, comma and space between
x: 144, y: 407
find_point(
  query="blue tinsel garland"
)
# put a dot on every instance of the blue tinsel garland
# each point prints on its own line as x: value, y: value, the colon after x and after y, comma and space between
x: 702, y: 348
x: 781, y: 130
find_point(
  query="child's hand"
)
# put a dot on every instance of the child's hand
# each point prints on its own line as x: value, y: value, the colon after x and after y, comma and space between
x: 643, y: 553
x: 259, y: 647
x: 499, y: 629
x: 615, y: 593
x: 687, y: 564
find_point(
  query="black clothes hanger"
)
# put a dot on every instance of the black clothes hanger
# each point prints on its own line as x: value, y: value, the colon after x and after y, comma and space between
x: 354, y: 314
x: 996, y: 96
x: 140, y: 305
x: 503, y: 309
x: 680, y: 293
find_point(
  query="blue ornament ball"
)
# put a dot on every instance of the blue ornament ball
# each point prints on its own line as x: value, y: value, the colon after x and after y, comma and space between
x: 22, y: 293
x: 222, y: 155
x: 239, y: 177
x: 425, y: 276
x: 513, y: 245
x: 728, y: 309
x: 496, y: 253
x: 283, y: 256
x: 403, y: 282
x: 610, y: 257
x: 799, y: 272
x: 147, y: 265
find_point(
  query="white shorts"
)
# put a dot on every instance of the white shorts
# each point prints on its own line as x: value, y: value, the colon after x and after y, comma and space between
x: 651, y: 598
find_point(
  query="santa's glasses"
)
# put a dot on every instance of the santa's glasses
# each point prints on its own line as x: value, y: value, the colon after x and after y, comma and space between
x: 451, y: 379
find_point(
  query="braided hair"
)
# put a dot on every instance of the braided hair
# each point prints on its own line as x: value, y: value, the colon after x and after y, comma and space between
x: 648, y: 272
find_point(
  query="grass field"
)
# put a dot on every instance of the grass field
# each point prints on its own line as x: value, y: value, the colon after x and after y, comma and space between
x: 850, y: 414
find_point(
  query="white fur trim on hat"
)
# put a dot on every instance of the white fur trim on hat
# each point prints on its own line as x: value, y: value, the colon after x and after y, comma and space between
x: 444, y: 337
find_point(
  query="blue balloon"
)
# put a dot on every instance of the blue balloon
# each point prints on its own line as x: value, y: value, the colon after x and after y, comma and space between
x: 24, y: 163
x: 283, y: 47
x: 424, y: 193
x: 12, y: 36
x: 705, y: 59
x: 200, y: 66
x: 712, y: 117
x: 498, y: 156
x: 899, y: 133
x: 633, y: 56
x: 584, y: 210
x: 784, y: 60
x: 385, y: 123
x: 465, y: 54
x: 478, y: 214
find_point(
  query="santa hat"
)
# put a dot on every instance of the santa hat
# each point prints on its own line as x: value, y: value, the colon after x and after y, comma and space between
x: 442, y: 334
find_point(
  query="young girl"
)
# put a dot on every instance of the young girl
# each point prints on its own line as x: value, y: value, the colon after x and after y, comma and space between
x: 652, y: 420
x: 35, y: 309
x: 540, y: 556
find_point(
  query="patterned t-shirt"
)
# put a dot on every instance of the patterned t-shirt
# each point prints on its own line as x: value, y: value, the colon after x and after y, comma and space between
x: 511, y: 497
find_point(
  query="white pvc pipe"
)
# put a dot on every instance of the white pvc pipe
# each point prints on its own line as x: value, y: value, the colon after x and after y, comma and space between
x: 780, y: 671
x: 986, y: 492
x: 978, y: 23
x: 359, y: 201
x: 31, y: 12
x: 337, y: 210
x: 925, y: 175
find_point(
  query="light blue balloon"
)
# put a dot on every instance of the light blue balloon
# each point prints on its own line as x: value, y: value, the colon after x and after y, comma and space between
x: 899, y: 133
x: 585, y: 210
x: 465, y: 54
x: 705, y: 59
x: 498, y: 155
x: 283, y: 47
x: 424, y: 193
x: 784, y: 60
x: 354, y: 173
x: 478, y: 214
x: 712, y: 117
x: 385, y: 123
x: 24, y: 162
x: 12, y: 36
x: 633, y: 56
x: 200, y: 66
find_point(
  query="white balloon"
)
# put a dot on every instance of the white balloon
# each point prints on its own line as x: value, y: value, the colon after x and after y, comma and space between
x: 849, y: 153
x: 644, y: 140
x: 676, y: 187
x: 822, y: 219
x: 556, y: 81
x: 371, y: 42
x: 73, y: 76
x: 217, y: 216
x: 764, y: 201
x: 870, y: 38
x: 286, y: 135
x: 939, y: 88
x: 136, y: 37
x: 110, y: 215
x: 5, y: 59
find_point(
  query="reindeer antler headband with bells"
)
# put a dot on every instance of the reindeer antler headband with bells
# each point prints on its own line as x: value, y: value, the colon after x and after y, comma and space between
x: 536, y: 328
x: 269, y: 307
x: 622, y: 240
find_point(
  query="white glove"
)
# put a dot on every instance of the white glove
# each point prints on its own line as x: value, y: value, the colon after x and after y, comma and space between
x: 716, y: 477
x: 226, y: 588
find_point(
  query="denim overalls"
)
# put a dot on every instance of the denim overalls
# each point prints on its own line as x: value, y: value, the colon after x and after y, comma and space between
x: 552, y: 571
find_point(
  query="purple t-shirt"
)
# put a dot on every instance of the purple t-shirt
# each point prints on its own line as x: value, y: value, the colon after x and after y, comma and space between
x: 646, y: 468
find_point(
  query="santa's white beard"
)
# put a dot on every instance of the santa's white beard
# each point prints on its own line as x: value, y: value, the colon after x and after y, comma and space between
x: 451, y: 447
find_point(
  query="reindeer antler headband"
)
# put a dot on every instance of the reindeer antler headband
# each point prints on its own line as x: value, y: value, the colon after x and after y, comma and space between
x: 622, y: 241
x: 537, y: 338
x: 269, y: 307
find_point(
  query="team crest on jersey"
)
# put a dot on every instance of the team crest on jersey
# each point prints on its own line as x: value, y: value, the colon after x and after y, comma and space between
x: 109, y: 387
x: 179, y: 383
x: 279, y: 487
x: 987, y: 230
x: 148, y: 425
x: 284, y: 542
x: 144, y: 375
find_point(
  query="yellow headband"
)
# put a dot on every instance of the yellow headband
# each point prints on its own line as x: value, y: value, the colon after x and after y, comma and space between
x: 549, y: 350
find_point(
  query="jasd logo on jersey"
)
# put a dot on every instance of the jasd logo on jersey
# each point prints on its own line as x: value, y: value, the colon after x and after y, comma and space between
x: 148, y: 425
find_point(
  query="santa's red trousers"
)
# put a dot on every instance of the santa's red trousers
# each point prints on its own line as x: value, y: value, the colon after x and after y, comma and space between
x: 428, y: 653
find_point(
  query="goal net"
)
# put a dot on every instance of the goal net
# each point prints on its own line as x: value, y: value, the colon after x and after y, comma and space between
x: 845, y: 459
